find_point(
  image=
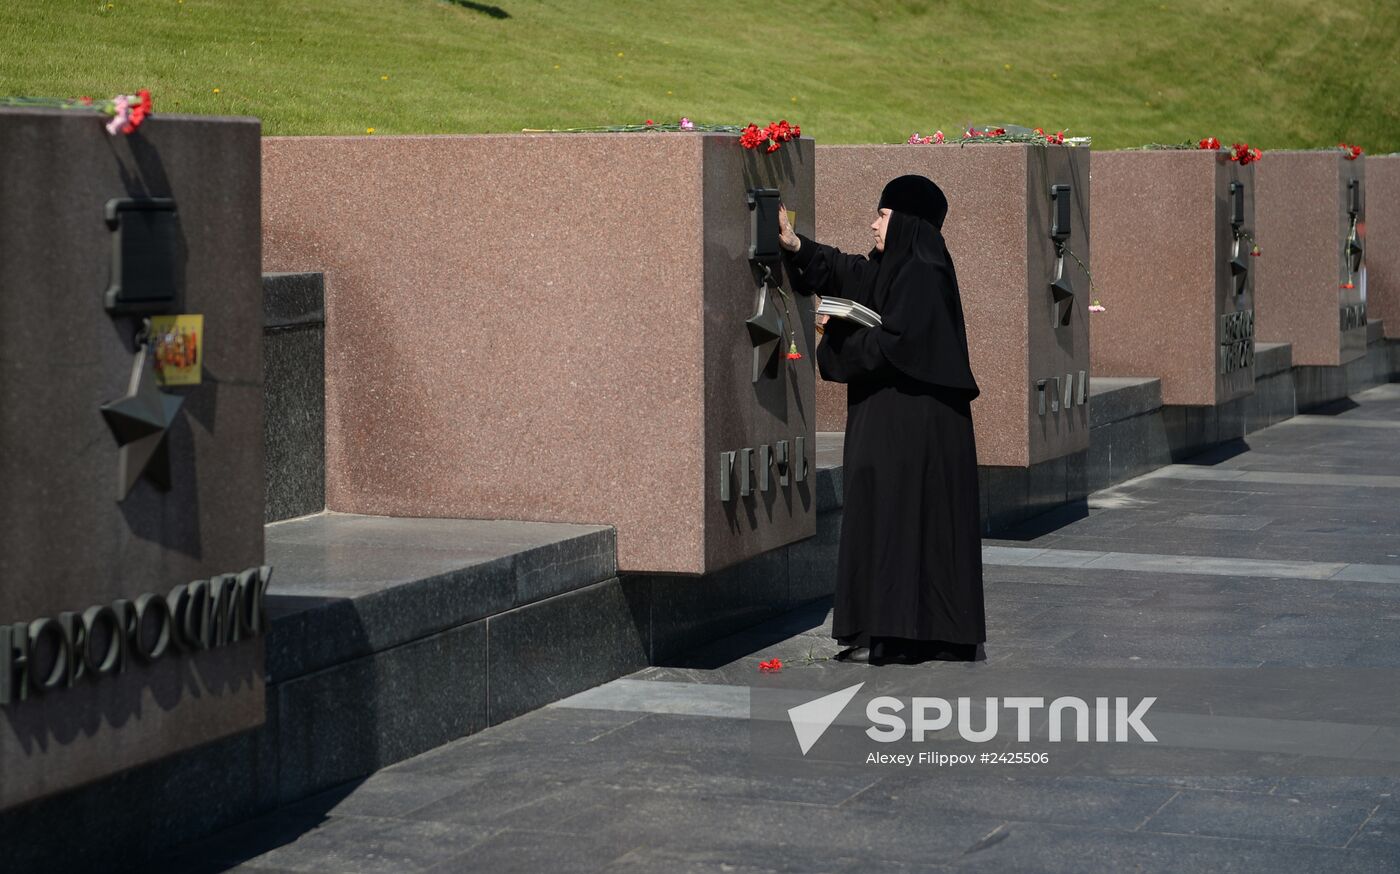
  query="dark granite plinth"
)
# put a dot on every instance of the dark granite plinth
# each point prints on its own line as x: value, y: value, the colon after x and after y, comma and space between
x: 355, y: 585
x: 562, y: 645
x: 72, y: 536
x: 1115, y: 398
x: 354, y: 718
x: 294, y: 391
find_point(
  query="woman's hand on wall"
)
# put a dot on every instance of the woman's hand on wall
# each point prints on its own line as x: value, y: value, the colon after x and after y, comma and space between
x: 787, y: 237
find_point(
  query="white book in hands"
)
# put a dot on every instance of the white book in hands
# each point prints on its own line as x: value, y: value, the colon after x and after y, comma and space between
x: 840, y: 308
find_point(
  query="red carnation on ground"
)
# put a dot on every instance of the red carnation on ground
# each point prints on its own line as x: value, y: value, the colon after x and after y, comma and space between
x: 1210, y: 143
x: 772, y: 666
x: 1351, y: 152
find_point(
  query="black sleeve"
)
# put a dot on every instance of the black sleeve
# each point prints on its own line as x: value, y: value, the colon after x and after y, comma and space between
x: 850, y: 352
x: 826, y: 270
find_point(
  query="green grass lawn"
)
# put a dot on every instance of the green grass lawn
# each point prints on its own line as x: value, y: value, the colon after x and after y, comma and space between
x: 1286, y: 73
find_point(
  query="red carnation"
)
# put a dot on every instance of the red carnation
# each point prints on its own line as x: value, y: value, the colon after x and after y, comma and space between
x: 1348, y: 285
x: 771, y: 137
x: 1244, y: 154
x: 1210, y: 143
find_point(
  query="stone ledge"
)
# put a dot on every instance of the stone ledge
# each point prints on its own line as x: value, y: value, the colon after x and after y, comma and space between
x: 345, y: 586
x: 1115, y: 398
x: 1272, y: 358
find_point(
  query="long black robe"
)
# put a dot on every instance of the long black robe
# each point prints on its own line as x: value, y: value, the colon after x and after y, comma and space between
x: 910, y: 560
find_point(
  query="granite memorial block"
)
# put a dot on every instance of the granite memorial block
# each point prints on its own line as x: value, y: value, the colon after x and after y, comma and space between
x: 1383, y: 232
x: 1018, y: 217
x: 131, y: 541
x: 560, y: 327
x: 1311, y: 289
x: 1174, y: 233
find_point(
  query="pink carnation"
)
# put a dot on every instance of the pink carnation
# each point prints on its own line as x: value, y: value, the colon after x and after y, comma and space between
x: 687, y: 124
x: 122, y: 106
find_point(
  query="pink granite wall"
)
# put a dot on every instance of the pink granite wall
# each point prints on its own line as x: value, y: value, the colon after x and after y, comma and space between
x: 1163, y: 245
x: 1383, y: 236
x: 998, y: 234
x: 1303, y: 224
x: 545, y: 328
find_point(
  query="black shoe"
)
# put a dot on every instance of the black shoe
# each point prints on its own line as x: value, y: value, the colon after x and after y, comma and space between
x: 880, y: 653
x: 856, y: 654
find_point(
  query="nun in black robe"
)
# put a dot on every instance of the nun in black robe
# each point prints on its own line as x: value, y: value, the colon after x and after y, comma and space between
x: 909, y: 571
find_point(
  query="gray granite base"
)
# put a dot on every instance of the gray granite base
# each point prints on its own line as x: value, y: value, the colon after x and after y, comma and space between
x: 1133, y: 433
x: 389, y: 637
x: 1318, y: 386
x: 1013, y: 495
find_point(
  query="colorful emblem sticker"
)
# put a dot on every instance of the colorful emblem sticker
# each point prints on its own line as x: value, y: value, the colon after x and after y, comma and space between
x: 179, y: 349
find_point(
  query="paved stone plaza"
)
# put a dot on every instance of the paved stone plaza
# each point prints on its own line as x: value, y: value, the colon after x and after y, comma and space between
x: 1282, y: 552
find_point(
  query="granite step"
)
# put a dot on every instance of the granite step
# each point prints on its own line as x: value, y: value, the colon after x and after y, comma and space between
x: 346, y: 586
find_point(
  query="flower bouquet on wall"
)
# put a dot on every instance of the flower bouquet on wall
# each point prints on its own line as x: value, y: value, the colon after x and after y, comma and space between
x: 770, y: 138
x: 987, y: 134
x: 126, y: 111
